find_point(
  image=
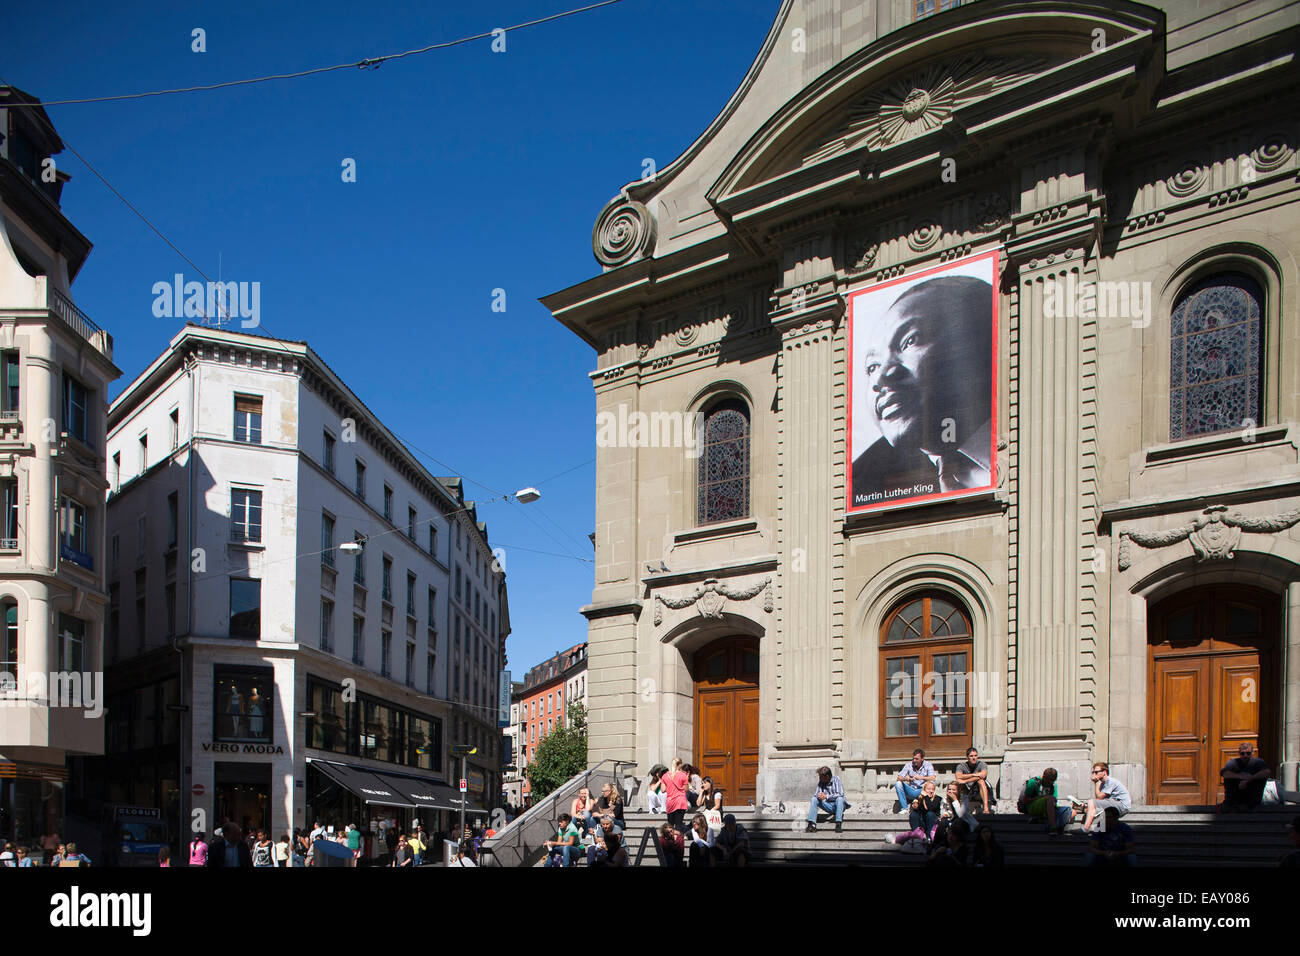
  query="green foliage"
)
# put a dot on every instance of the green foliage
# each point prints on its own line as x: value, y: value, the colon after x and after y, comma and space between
x: 562, y: 754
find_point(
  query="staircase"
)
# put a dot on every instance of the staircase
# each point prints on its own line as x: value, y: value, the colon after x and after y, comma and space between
x: 1166, y: 836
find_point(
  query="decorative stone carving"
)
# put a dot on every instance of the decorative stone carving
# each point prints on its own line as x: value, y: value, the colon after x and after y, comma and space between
x: 1214, y: 534
x: 864, y: 255
x: 991, y: 210
x: 1188, y: 180
x: 624, y: 231
x: 686, y: 335
x: 1272, y: 154
x: 921, y: 101
x: 925, y: 235
x: 711, y: 598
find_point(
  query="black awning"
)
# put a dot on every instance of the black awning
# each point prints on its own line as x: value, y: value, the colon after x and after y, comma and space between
x: 365, y: 783
x: 424, y: 792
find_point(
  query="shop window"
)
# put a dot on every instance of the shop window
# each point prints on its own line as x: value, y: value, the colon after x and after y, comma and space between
x: 244, y: 700
x: 925, y: 687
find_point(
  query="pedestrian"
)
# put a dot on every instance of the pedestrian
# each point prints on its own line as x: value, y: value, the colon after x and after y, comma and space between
x: 198, y: 850
x: 263, y: 851
x: 415, y: 846
x: 673, y: 845
x: 60, y: 853
x: 401, y: 852
x: 23, y: 859
x: 227, y: 850
x: 465, y: 854
x: 164, y: 857
x: 675, y: 782
x: 282, y: 851
x: 7, y: 857
x: 354, y: 843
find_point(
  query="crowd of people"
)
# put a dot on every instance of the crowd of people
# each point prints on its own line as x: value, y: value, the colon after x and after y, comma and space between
x: 55, y: 854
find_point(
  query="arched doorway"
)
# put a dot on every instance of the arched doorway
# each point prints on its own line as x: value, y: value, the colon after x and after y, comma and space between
x: 725, y: 675
x: 1213, y: 659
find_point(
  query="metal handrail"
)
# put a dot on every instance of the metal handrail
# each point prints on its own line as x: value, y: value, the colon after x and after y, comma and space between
x: 510, y: 837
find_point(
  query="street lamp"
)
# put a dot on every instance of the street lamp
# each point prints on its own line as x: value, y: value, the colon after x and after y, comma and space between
x: 351, y: 547
x: 527, y: 495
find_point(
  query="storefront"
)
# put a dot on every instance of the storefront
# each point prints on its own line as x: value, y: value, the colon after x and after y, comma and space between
x: 31, y: 801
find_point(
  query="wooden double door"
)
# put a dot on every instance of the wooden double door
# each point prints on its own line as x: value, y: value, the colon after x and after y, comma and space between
x: 1213, y: 665
x: 725, y: 674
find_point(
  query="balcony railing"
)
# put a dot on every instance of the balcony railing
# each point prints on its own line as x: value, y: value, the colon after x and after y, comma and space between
x: 78, y: 321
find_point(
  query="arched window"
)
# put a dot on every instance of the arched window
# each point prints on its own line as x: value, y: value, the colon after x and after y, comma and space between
x: 1216, y: 353
x: 926, y: 687
x: 722, y: 491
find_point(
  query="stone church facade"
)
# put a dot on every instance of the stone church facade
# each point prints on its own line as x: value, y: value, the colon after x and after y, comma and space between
x: 1120, y: 578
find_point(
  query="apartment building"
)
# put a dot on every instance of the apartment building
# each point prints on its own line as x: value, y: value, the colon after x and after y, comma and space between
x: 55, y: 368
x: 542, y: 704
x: 302, y: 618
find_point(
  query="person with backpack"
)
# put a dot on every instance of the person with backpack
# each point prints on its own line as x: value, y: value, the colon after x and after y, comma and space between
x: 1038, y: 799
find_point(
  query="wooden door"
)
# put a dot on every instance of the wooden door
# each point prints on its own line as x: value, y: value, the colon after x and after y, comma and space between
x: 1212, y: 673
x: 726, y: 717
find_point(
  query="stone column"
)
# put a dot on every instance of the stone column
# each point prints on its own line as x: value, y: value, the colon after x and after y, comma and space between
x: 807, y: 315
x: 1289, y: 772
x: 613, y: 729
x: 1053, y: 478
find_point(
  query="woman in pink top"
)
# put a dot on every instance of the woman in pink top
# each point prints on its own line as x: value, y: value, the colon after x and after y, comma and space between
x: 198, y: 851
x: 675, y: 782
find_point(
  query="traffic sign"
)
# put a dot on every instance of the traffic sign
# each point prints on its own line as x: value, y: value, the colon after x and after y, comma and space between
x: 464, y: 785
x: 197, y: 790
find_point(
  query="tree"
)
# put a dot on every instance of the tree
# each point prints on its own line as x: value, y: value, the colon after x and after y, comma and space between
x: 562, y: 754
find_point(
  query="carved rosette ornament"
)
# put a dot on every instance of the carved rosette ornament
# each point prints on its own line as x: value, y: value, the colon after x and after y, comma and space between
x: 925, y: 235
x: 1271, y: 154
x: 624, y: 231
x: 711, y: 598
x: 1188, y: 180
x: 1214, y: 534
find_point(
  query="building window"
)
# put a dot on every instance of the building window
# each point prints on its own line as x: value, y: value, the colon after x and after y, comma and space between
x: 114, y: 551
x: 76, y: 409
x: 72, y: 644
x: 359, y: 563
x: 433, y: 603
x: 141, y: 608
x: 722, y: 492
x: 327, y: 539
x: 144, y: 453
x: 76, y: 539
x: 359, y: 641
x: 245, y: 515
x: 925, y: 652
x: 116, y: 474
x: 169, y: 598
x: 433, y: 540
x: 410, y: 663
x: 12, y: 391
x: 244, y: 698
x: 327, y: 626
x: 1216, y: 348
x: 388, y: 504
x: 114, y: 619
x: 9, y: 659
x: 361, y: 481
x: 245, y: 608
x: 9, y: 533
x: 410, y: 523
x: 328, y: 457
x: 410, y: 594
x: 386, y: 653
x: 458, y: 583
x: 386, y: 585
x: 327, y: 727
x: 431, y: 669
x: 174, y: 420
x: 924, y: 8
x: 173, y: 519
x: 248, y: 419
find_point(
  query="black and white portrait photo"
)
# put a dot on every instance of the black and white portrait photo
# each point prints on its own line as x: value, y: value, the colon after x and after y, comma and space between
x: 922, y: 385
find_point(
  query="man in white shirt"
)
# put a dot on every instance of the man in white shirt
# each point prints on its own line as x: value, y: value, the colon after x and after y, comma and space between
x: 1109, y: 793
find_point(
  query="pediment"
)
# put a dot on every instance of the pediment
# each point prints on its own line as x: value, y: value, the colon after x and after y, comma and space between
x: 919, y: 101
x: 901, y: 91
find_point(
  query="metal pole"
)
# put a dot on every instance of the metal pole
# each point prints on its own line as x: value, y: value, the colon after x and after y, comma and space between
x: 460, y: 834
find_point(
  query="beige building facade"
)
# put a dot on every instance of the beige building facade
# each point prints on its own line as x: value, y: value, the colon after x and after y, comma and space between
x: 1113, y: 572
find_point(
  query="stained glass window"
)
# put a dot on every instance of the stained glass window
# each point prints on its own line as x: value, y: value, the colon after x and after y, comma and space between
x: 1216, y: 350
x: 722, y: 492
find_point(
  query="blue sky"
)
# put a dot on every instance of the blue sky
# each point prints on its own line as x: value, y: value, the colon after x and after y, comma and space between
x: 475, y: 171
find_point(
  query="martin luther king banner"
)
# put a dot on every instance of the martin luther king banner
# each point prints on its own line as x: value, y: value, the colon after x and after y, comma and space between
x: 922, y: 402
